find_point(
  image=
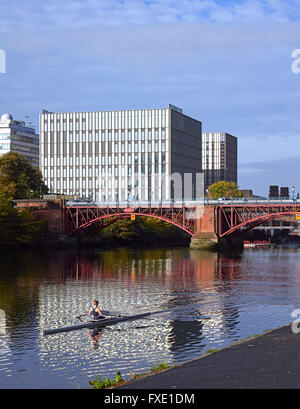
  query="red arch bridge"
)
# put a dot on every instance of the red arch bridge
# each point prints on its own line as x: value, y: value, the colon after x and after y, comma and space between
x: 222, y: 220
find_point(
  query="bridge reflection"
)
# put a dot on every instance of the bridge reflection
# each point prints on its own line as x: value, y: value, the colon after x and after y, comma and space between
x: 191, y: 282
x: 208, y: 295
x: 183, y: 266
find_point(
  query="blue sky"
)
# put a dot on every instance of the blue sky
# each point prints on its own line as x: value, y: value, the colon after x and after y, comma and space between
x: 226, y: 63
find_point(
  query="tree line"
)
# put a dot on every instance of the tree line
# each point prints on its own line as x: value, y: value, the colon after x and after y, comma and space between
x: 19, y: 180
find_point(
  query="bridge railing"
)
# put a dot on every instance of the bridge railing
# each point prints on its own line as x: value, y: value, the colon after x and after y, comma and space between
x: 128, y: 203
x: 181, y: 203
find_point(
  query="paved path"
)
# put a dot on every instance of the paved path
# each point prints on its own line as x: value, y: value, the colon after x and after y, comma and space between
x: 268, y: 361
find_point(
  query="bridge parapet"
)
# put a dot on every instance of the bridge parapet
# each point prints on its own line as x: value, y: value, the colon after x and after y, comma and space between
x: 53, y: 211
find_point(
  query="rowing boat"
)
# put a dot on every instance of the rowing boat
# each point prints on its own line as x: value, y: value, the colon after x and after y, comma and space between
x: 101, y: 322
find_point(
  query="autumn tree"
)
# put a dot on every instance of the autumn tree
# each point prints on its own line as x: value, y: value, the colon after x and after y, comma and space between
x: 224, y: 189
x: 18, y: 179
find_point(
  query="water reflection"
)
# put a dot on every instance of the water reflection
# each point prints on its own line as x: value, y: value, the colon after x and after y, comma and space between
x: 95, y: 335
x: 213, y: 299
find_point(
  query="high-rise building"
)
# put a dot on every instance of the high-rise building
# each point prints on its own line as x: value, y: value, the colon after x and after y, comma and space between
x: 219, y: 157
x: 20, y: 137
x: 111, y: 156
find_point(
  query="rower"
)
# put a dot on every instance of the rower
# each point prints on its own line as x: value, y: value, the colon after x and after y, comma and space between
x: 95, y: 311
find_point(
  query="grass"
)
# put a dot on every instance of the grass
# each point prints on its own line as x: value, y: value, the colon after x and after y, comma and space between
x: 99, y: 383
x: 159, y: 367
x: 212, y: 351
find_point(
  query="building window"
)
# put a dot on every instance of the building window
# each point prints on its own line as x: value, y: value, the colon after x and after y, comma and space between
x: 136, y: 119
x: 129, y: 119
x: 163, y: 118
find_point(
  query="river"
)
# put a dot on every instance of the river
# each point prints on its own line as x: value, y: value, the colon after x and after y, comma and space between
x: 214, y: 300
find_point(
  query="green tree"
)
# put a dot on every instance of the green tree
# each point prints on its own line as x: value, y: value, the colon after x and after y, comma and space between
x: 224, y: 189
x: 19, y: 227
x: 18, y: 179
x: 145, y: 231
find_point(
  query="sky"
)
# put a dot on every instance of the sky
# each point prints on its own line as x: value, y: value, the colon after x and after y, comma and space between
x: 227, y: 63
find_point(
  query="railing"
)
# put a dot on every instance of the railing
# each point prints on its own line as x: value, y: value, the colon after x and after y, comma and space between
x: 180, y: 203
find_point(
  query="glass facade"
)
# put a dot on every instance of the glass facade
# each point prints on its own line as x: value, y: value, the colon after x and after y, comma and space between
x: 16, y: 136
x: 111, y: 153
x: 111, y: 156
x: 219, y: 157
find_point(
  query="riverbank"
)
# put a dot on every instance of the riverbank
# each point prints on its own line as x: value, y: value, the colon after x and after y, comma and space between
x: 268, y: 361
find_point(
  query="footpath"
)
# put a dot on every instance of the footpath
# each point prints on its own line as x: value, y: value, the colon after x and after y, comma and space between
x: 268, y: 361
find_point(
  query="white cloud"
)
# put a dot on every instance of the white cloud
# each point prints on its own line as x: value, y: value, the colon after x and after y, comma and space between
x: 16, y: 15
x: 227, y: 64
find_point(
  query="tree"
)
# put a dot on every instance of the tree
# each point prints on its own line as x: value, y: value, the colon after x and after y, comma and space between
x: 20, y: 227
x: 18, y: 179
x: 224, y: 189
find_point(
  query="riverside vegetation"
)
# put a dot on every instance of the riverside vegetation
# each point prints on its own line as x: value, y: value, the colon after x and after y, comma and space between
x: 99, y: 383
x: 19, y: 180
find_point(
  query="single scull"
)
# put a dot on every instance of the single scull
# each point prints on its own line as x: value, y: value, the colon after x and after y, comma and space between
x: 101, y: 322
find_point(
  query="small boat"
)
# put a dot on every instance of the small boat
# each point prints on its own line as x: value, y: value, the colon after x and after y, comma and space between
x: 256, y: 243
x: 100, y: 323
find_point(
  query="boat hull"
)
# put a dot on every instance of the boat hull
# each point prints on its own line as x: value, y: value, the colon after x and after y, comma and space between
x: 99, y: 323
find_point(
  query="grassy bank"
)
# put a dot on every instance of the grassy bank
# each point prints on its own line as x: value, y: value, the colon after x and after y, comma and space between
x: 99, y: 383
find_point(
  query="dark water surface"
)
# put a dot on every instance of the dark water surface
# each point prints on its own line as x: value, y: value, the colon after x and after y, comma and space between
x: 216, y: 299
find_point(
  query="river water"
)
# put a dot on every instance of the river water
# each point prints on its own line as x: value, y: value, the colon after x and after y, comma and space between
x: 213, y: 301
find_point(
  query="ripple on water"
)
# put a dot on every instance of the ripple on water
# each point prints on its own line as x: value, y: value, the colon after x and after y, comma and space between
x: 215, y: 300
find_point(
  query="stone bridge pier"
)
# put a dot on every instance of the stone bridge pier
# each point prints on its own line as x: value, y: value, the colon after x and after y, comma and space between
x: 205, y: 236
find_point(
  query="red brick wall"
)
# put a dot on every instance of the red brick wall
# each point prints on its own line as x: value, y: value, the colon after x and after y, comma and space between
x: 206, y: 223
x: 51, y: 211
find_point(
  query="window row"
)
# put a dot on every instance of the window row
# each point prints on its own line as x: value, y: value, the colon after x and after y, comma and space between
x: 106, y: 120
x: 128, y: 170
x: 108, y: 136
x: 105, y: 159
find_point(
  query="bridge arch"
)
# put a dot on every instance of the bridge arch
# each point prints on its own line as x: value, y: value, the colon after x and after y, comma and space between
x: 126, y: 215
x: 256, y: 221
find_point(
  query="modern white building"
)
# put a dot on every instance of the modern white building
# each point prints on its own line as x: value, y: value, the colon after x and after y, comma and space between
x: 17, y: 136
x: 219, y: 157
x: 111, y: 156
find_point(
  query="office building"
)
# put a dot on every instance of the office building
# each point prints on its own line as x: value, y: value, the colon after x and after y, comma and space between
x: 112, y: 156
x: 20, y: 137
x: 219, y: 157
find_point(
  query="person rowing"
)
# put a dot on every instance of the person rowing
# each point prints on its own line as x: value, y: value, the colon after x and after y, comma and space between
x: 95, y: 311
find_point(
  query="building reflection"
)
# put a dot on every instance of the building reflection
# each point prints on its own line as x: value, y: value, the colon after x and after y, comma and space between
x: 204, y: 292
x: 5, y: 350
x: 189, y: 279
x: 126, y: 280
